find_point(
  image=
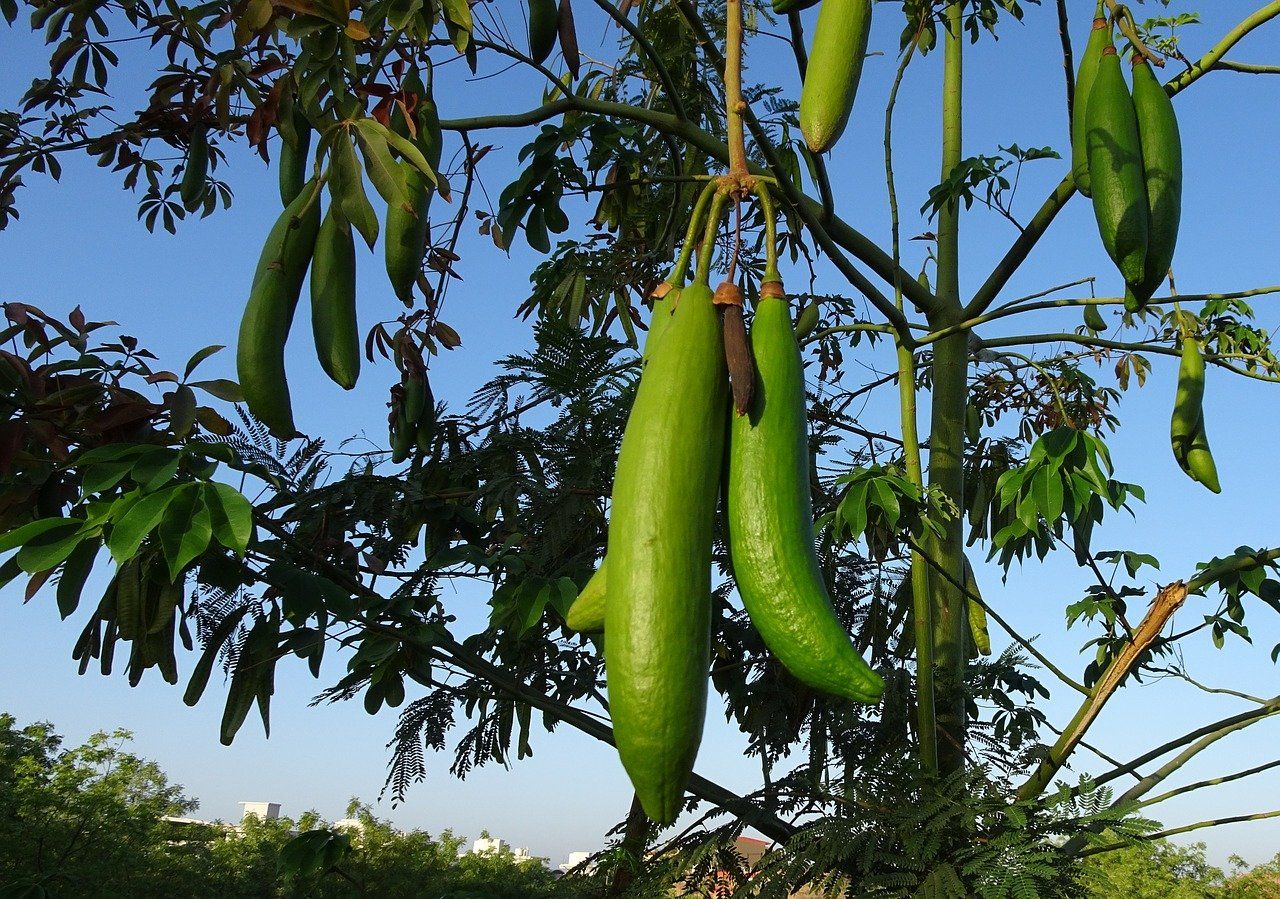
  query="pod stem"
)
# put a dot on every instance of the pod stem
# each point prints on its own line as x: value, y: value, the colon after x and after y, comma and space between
x: 696, y: 220
x: 708, y: 248
x: 770, y: 212
x: 1121, y: 17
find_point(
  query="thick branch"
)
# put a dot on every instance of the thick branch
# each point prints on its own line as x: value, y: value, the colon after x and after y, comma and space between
x: 1167, y: 601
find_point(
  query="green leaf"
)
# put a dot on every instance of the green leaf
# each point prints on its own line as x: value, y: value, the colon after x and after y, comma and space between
x: 533, y: 614
x: 155, y: 469
x: 382, y: 169
x: 50, y: 549
x: 347, y: 188
x: 186, y: 529
x: 199, y: 356
x: 232, y: 516
x: 305, y: 593
x: 74, y: 575
x: 223, y: 389
x: 128, y: 532
x: 204, y: 667
x: 402, y: 145
x: 32, y: 529
x: 103, y: 476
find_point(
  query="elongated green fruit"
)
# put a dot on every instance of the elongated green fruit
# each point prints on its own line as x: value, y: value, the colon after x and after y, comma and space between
x: 658, y: 616
x: 1188, y: 401
x: 333, y: 300
x: 835, y: 67
x: 1186, y: 429
x: 1162, y: 167
x: 1200, y: 464
x: 277, y: 284
x: 425, y: 426
x: 782, y: 7
x: 407, y: 230
x: 770, y: 519
x: 1115, y: 169
x: 1085, y: 74
x: 586, y: 614
x: 295, y: 157
x: 192, y: 188
x: 543, y: 28
x: 1093, y: 319
x: 664, y: 308
x: 406, y: 233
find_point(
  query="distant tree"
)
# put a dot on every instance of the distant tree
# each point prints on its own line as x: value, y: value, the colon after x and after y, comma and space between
x: 1262, y: 882
x: 90, y: 822
x: 1156, y: 870
x: 85, y: 821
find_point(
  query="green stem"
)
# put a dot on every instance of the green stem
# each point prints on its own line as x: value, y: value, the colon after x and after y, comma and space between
x: 1210, y: 782
x: 734, y: 104
x: 761, y: 190
x: 1186, y: 828
x: 947, y: 431
x: 708, y: 248
x: 921, y: 597
x: 696, y: 220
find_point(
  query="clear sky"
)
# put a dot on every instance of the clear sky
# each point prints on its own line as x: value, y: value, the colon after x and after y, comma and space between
x: 78, y: 242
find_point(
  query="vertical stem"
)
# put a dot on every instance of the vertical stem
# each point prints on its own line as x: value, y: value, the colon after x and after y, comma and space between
x: 921, y: 601
x: 734, y: 104
x: 921, y: 598
x: 947, y: 433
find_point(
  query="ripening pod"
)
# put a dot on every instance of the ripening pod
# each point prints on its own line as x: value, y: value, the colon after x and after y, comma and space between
x: 192, y: 188
x: 1085, y: 74
x: 1162, y: 168
x: 543, y: 28
x: 1116, y: 172
x: 835, y: 67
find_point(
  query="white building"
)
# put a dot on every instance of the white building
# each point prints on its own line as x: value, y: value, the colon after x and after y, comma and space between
x: 575, y: 859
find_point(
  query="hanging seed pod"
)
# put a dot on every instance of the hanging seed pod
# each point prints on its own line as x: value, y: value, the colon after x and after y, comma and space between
x: 1085, y: 75
x: 1116, y: 173
x: 1162, y: 168
x: 569, y: 38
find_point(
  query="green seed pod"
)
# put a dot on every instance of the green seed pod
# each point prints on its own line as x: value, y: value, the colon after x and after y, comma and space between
x: 1162, y: 167
x: 1093, y: 319
x: 1115, y: 170
x: 543, y: 28
x: 586, y: 614
x: 192, y: 188
x: 1085, y: 75
x: 658, y: 615
x: 333, y: 300
x: 835, y: 67
x: 807, y: 320
x: 769, y: 515
x: 295, y: 155
x: 268, y: 315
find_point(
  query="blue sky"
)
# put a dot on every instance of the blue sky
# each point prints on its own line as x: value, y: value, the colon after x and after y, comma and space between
x: 78, y: 243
